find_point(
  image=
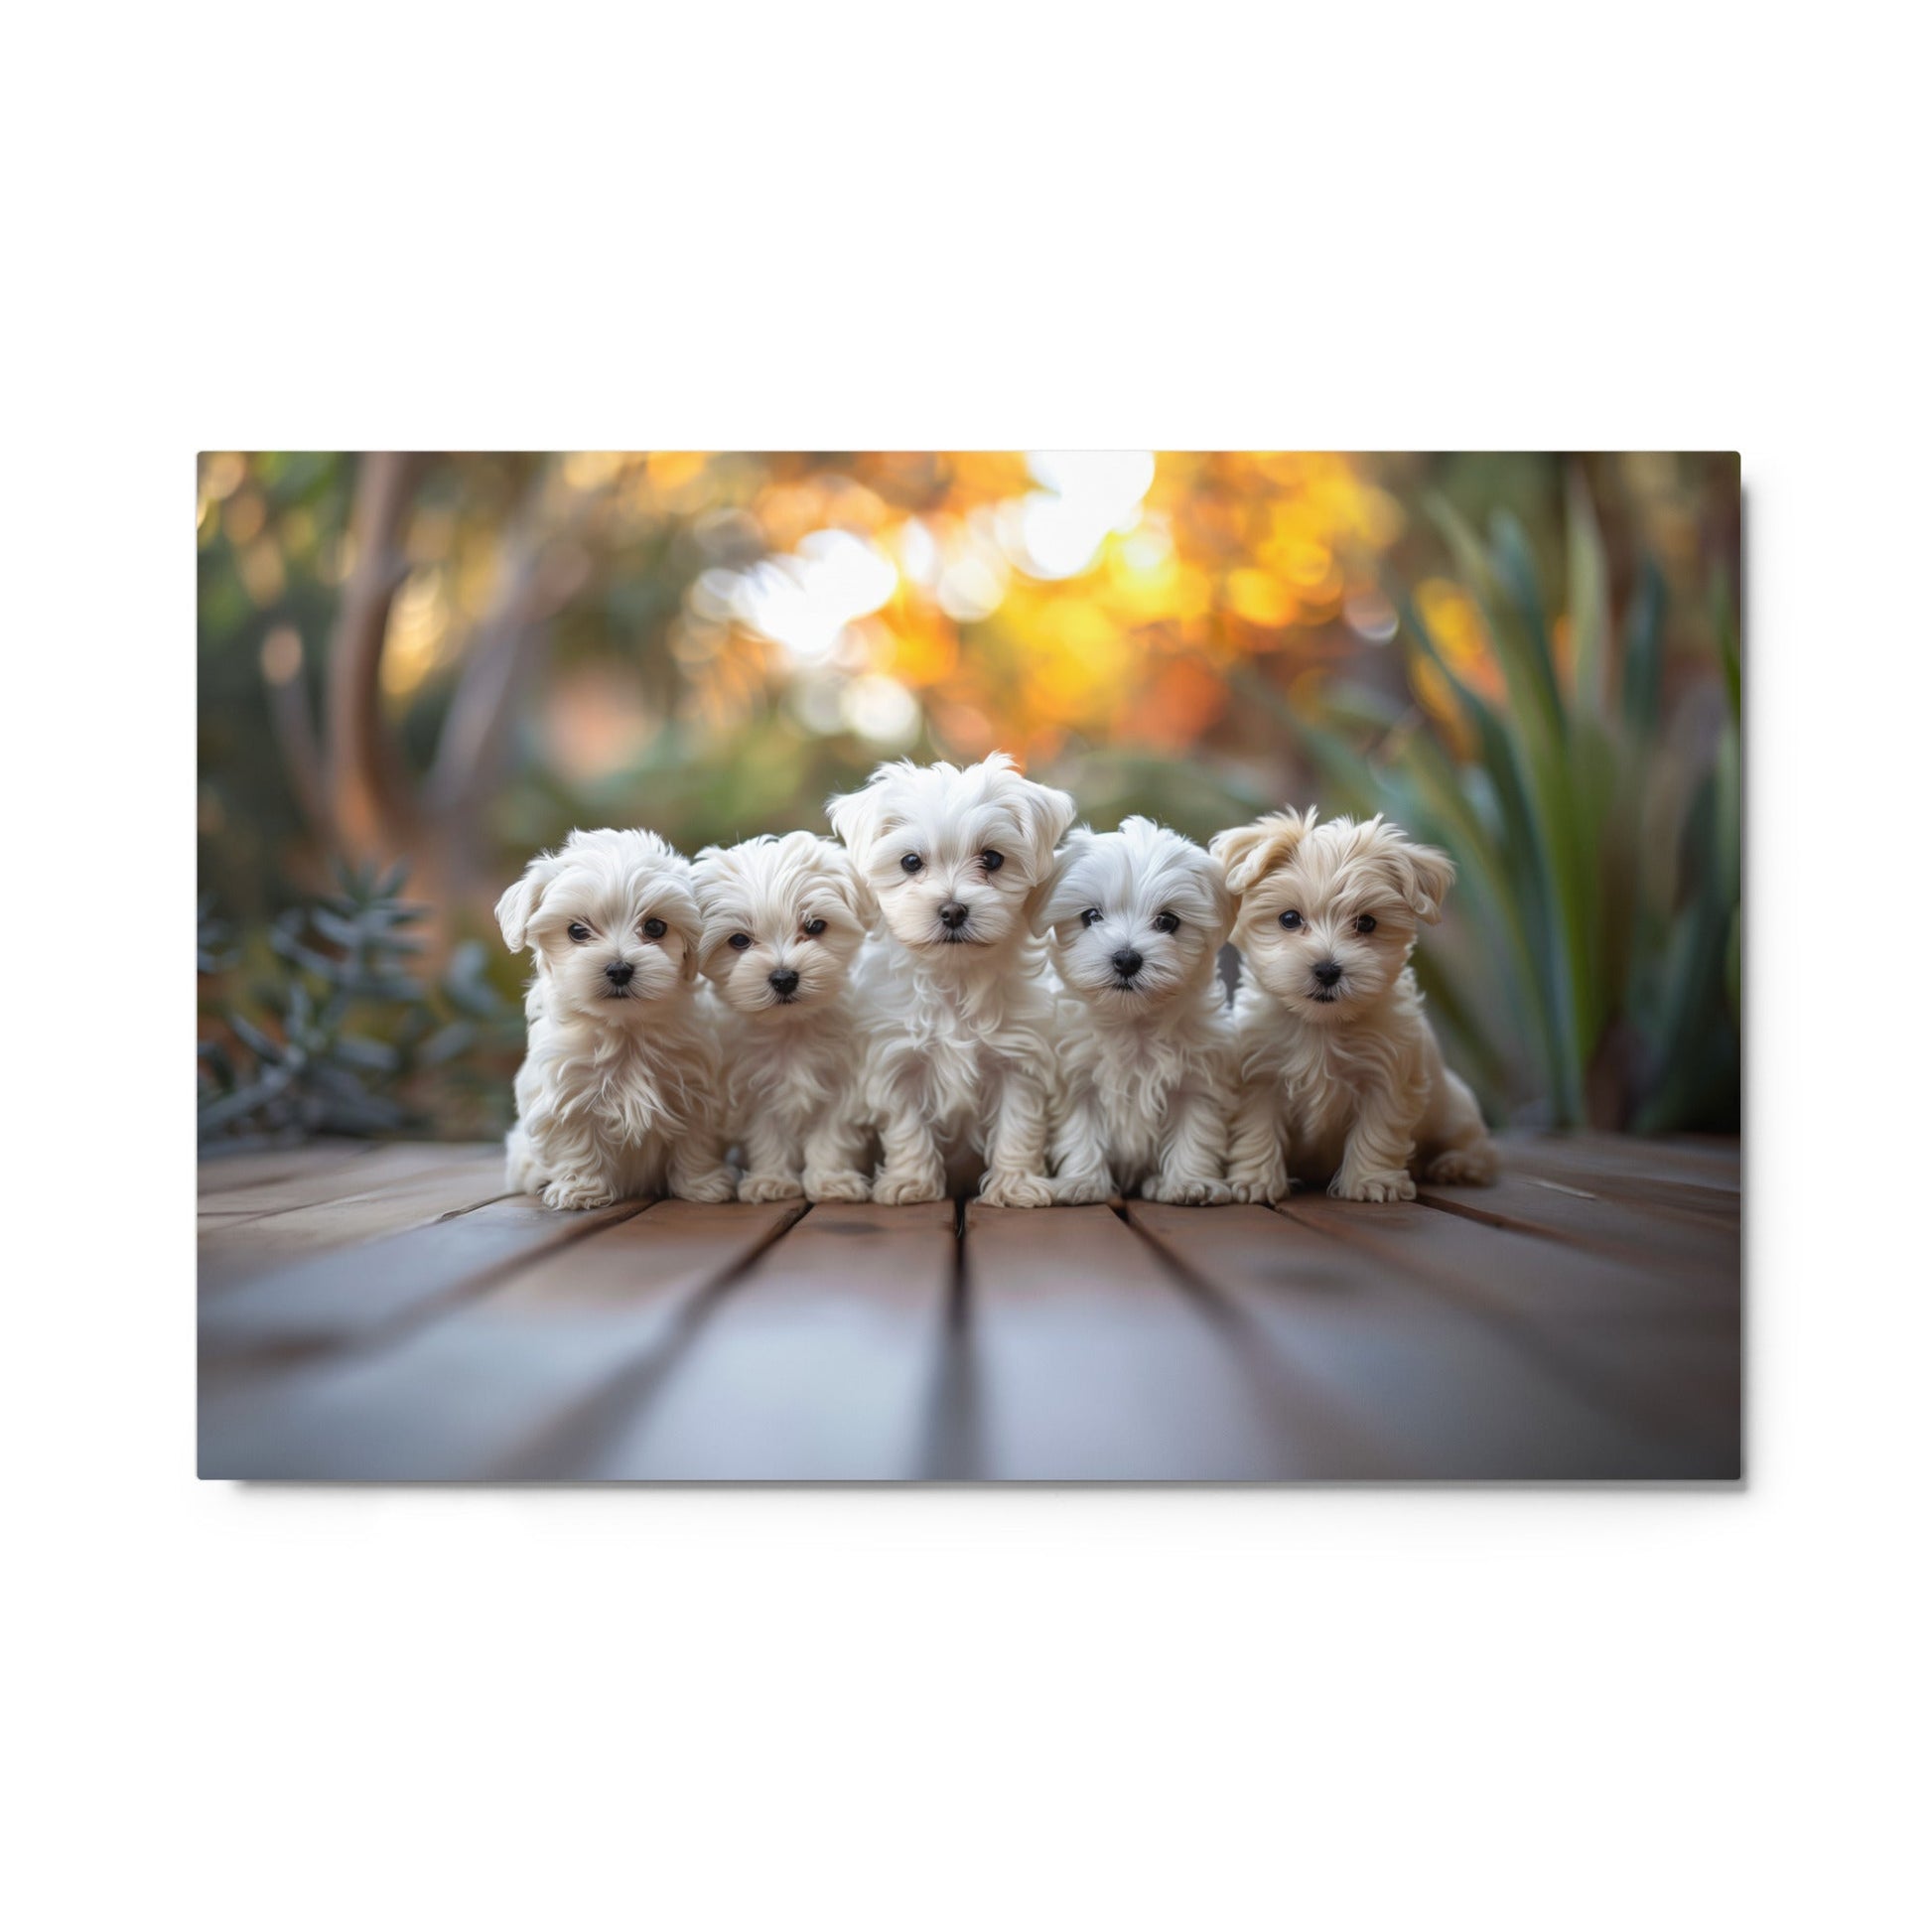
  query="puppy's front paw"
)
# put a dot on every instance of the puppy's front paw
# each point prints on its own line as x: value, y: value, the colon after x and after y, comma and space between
x: 1396, y: 1185
x: 836, y: 1184
x: 570, y: 1196
x: 768, y: 1186
x: 1188, y: 1192
x: 901, y: 1187
x: 1262, y: 1189
x: 1017, y: 1191
x: 1083, y: 1190
x: 715, y: 1184
x: 1466, y: 1167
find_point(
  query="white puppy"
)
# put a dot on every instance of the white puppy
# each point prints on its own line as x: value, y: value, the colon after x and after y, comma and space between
x: 959, y: 1067
x: 619, y: 1090
x: 1343, y: 1081
x: 1146, y: 1059
x: 783, y: 920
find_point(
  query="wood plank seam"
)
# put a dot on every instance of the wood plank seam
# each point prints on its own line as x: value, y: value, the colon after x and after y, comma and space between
x: 214, y: 1283
x: 953, y: 1451
x: 820, y: 1365
x: 1471, y: 1208
x: 1711, y: 1212
x: 576, y: 1437
x: 463, y: 1397
x: 228, y: 1220
x: 367, y: 1175
x: 1284, y: 1386
x: 293, y: 1349
x: 1099, y: 1365
x: 293, y: 1161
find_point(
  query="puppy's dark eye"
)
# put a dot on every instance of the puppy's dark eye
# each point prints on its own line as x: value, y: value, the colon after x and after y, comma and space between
x: 993, y: 861
x: 911, y: 862
x: 653, y: 929
x: 1292, y: 921
x: 1365, y: 924
x: 739, y: 942
x: 1091, y: 916
x: 1166, y: 922
x: 813, y: 928
x: 579, y: 933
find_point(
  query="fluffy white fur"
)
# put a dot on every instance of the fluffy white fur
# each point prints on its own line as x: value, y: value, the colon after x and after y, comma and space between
x: 1343, y: 1081
x: 958, y: 1066
x: 784, y: 919
x: 619, y: 1090
x: 1146, y: 1062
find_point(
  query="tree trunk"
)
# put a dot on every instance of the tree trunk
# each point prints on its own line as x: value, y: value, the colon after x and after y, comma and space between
x: 369, y: 800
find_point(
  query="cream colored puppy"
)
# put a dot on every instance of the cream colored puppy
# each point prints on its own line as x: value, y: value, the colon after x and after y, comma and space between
x: 619, y: 1090
x: 959, y: 1065
x: 1343, y: 1081
x: 1146, y: 1053
x: 783, y: 920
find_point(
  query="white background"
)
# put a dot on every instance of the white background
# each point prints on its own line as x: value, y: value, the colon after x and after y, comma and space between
x: 848, y: 227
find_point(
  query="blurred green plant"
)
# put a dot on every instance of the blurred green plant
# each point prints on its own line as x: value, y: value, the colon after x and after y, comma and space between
x: 458, y: 657
x: 1595, y: 827
x: 336, y: 1034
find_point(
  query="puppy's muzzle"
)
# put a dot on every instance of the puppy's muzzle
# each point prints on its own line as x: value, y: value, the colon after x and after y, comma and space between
x: 953, y: 915
x: 1127, y: 963
x: 619, y: 973
x: 784, y: 982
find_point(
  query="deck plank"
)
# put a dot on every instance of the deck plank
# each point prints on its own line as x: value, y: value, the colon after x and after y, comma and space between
x: 1444, y: 1397
x: 1643, y: 1188
x: 372, y: 1171
x: 229, y: 1173
x: 1692, y: 1245
x: 822, y: 1362
x: 1660, y: 1347
x: 342, y: 1299
x: 231, y: 1249
x: 514, y: 1383
x: 1671, y: 1164
x: 1535, y: 1272
x: 1089, y: 1358
x: 377, y: 1313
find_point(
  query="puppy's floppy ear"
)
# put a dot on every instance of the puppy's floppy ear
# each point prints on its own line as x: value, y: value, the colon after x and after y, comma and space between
x: 1044, y: 815
x: 1425, y: 877
x: 1224, y: 907
x: 859, y: 817
x: 1051, y: 900
x: 706, y: 874
x: 842, y: 868
x: 1245, y: 852
x: 683, y: 899
x: 518, y: 907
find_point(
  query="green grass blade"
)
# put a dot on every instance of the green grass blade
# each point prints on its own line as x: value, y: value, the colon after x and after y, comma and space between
x: 1515, y: 569
x: 1723, y: 626
x: 1588, y: 598
x: 1528, y: 674
x: 1643, y: 653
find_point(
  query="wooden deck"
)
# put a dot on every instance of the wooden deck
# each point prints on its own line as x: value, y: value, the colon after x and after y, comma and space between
x: 387, y: 1314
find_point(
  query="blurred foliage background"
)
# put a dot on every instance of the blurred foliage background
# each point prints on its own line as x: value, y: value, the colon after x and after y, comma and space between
x: 416, y: 670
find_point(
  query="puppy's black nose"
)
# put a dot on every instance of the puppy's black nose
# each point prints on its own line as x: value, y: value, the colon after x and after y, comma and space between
x: 1327, y: 972
x: 620, y: 972
x: 952, y: 915
x: 1127, y: 962
x: 785, y: 981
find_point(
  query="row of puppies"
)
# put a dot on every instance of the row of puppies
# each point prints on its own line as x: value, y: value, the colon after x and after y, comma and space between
x: 879, y: 1018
